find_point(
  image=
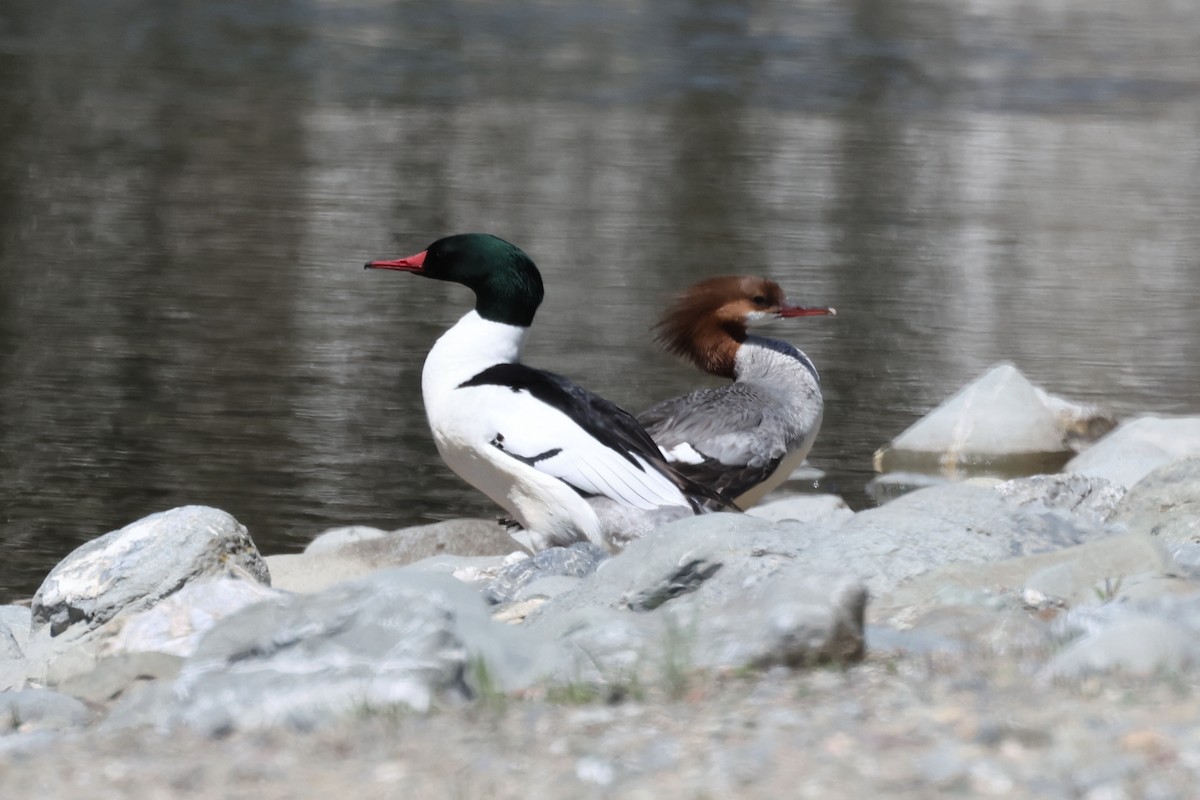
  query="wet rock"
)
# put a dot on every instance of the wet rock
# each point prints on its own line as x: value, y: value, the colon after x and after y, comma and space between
x: 1095, y: 499
x: 578, y: 560
x: 822, y: 508
x: 1138, y: 447
x: 334, y: 562
x: 1000, y: 423
x: 27, y: 710
x: 397, y: 638
x: 138, y: 565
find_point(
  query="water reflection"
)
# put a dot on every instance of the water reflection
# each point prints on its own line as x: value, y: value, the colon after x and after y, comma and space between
x: 187, y: 192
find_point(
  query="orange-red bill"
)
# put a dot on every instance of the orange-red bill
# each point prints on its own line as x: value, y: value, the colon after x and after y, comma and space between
x: 407, y: 264
x: 806, y: 311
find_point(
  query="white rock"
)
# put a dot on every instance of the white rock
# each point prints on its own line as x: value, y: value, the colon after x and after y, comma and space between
x: 140, y: 564
x: 997, y: 419
x: 1138, y: 447
x: 175, y: 624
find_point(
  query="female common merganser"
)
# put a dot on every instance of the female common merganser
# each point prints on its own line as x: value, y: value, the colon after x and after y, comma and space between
x: 534, y: 442
x: 746, y: 438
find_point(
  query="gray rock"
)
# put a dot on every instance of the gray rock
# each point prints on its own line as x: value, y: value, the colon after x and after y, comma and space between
x: 17, y: 620
x: 578, y: 560
x: 1127, y: 565
x: 793, y: 619
x: 10, y: 649
x: 140, y: 564
x: 337, y: 538
x: 316, y: 570
x: 111, y: 678
x: 715, y: 591
x: 1095, y: 499
x: 951, y: 523
x: 1166, y: 505
x: 621, y: 524
x: 141, y: 704
x: 1137, y: 645
x: 1138, y: 447
x: 749, y: 549
x: 547, y: 587
x: 463, y: 537
x: 27, y: 710
x: 397, y: 638
x: 175, y: 624
x: 1000, y: 422
x: 810, y: 508
x: 1005, y: 631
x: 1182, y: 609
x: 13, y: 673
x: 475, y: 570
x: 14, y: 640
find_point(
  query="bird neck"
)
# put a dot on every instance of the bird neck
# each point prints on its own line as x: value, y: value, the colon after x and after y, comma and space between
x: 472, y: 345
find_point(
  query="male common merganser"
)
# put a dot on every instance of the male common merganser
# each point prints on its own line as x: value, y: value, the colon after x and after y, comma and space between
x: 746, y: 438
x: 534, y: 442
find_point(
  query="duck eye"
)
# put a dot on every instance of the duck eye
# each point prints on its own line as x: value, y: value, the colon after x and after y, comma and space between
x: 759, y: 300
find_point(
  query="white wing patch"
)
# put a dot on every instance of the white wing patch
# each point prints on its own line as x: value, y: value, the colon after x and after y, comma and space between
x: 549, y: 441
x: 683, y: 453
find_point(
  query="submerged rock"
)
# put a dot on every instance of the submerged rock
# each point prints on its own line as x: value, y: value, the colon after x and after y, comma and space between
x: 999, y: 424
x: 138, y: 565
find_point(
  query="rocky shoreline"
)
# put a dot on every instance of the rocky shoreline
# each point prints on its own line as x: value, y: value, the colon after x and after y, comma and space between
x: 1030, y: 637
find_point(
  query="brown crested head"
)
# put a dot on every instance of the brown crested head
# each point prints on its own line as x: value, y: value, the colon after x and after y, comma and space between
x: 707, y: 323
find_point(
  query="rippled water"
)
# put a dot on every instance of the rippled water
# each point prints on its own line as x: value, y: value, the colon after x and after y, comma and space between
x: 188, y: 191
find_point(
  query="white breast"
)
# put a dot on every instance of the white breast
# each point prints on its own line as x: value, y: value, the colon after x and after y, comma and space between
x: 463, y: 422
